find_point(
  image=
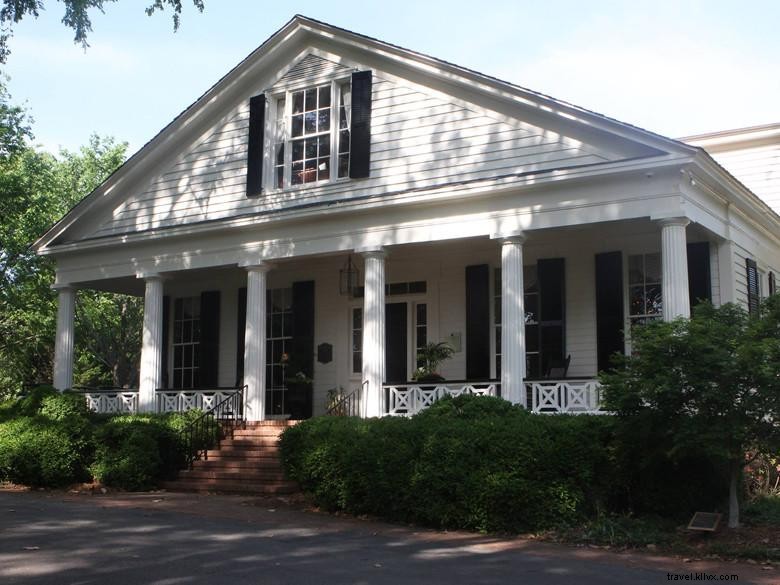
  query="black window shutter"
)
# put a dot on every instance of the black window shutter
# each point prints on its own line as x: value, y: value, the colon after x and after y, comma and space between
x: 478, y: 322
x: 772, y: 284
x: 302, y: 347
x: 240, y: 336
x: 360, y: 132
x: 254, y: 162
x: 609, y: 307
x: 552, y: 315
x: 751, y: 270
x: 209, y: 339
x: 699, y: 272
x: 166, y: 339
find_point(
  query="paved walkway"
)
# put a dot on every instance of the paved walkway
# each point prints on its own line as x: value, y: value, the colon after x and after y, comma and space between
x: 172, y: 539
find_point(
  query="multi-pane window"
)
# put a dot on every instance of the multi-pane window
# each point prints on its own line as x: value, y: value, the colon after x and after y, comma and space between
x: 533, y: 354
x: 356, y: 331
x: 186, y: 343
x: 645, y: 301
x: 420, y: 331
x: 278, y: 343
x: 307, y: 142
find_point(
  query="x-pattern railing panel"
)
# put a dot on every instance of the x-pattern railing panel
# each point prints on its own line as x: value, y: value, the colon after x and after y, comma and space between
x: 409, y: 399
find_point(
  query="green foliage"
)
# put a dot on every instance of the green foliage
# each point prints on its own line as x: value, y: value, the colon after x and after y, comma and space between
x: 623, y: 531
x: 764, y: 510
x: 136, y: 452
x: 50, y: 439
x: 36, y: 189
x: 45, y: 439
x: 431, y: 356
x: 469, y: 462
x: 76, y: 17
x: 705, y: 389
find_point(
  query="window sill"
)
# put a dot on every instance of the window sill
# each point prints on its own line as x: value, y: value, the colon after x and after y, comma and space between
x: 321, y: 185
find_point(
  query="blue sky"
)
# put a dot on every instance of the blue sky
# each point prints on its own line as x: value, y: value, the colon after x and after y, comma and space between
x: 676, y: 68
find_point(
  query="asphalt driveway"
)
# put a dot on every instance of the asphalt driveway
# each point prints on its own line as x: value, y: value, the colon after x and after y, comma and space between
x: 171, y: 539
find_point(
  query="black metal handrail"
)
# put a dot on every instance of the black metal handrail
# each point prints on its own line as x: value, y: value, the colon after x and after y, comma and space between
x: 348, y: 405
x: 207, y: 431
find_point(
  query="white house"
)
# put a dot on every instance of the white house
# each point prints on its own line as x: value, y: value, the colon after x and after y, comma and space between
x: 518, y: 228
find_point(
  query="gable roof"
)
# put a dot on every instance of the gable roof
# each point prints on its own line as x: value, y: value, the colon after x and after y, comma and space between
x: 188, y: 125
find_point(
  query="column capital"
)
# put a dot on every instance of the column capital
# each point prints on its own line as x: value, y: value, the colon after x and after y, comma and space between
x: 509, y: 236
x: 255, y: 266
x: 372, y: 252
x: 149, y: 275
x: 673, y: 222
x: 63, y: 287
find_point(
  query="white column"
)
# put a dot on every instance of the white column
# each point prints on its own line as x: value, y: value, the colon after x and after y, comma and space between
x: 512, y: 321
x: 674, y: 262
x: 372, y: 400
x: 151, y: 343
x: 254, y: 341
x: 63, y: 342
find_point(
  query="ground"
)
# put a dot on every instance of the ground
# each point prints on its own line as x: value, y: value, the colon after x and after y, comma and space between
x: 165, y: 539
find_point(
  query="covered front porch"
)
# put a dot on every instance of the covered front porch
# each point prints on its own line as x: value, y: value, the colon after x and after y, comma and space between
x: 294, y: 342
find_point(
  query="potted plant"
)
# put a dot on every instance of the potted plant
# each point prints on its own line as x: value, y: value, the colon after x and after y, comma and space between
x: 431, y: 356
x: 299, y: 389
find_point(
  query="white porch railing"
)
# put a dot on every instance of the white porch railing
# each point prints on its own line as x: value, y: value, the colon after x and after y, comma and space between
x: 409, y: 399
x: 112, y: 401
x: 543, y: 396
x: 126, y: 401
x: 564, y: 396
x: 184, y: 400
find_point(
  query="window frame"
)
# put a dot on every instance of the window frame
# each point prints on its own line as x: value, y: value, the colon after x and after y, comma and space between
x: 272, y: 132
x: 192, y: 345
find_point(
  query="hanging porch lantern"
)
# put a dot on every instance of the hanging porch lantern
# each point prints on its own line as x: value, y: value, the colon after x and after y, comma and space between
x: 348, y: 278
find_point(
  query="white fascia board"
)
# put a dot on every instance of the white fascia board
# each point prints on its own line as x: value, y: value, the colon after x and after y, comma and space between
x: 475, y: 189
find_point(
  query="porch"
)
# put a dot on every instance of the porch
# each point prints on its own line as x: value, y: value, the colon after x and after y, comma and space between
x: 582, y: 287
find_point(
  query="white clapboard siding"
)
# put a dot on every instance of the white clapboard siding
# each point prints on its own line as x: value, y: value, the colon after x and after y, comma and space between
x: 312, y: 66
x: 758, y: 168
x: 418, y: 140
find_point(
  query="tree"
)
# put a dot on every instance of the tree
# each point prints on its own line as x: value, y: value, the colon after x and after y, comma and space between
x: 76, y: 16
x: 708, y: 385
x: 36, y: 189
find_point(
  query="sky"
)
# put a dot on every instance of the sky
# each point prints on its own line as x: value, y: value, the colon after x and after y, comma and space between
x: 673, y: 67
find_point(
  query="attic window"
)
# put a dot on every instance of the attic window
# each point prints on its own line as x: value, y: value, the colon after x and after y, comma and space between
x: 308, y: 145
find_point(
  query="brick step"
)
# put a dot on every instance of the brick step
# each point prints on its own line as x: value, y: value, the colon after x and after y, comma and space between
x: 249, y: 455
x: 229, y: 487
x: 255, y: 442
x: 255, y: 433
x: 271, y: 424
x: 238, y: 464
x: 242, y: 475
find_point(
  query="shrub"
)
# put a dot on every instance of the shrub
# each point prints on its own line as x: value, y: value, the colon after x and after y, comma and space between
x: 36, y: 451
x: 763, y: 510
x: 136, y: 452
x: 468, y: 462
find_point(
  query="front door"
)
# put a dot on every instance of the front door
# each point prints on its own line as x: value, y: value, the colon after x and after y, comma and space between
x: 395, y: 343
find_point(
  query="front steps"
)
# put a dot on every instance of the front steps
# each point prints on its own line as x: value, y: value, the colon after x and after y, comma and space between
x: 247, y: 463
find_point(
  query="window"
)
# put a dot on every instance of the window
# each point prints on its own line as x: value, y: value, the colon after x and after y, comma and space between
x: 278, y: 343
x: 311, y: 141
x: 645, y: 302
x: 753, y: 286
x: 357, y: 340
x: 186, y: 343
x: 533, y: 353
x: 420, y: 331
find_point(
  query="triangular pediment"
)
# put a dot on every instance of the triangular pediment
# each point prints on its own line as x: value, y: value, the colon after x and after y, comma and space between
x: 427, y: 132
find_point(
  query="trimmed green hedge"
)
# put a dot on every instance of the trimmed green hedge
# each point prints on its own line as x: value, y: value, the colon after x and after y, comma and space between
x: 467, y: 462
x: 480, y: 463
x: 50, y: 439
